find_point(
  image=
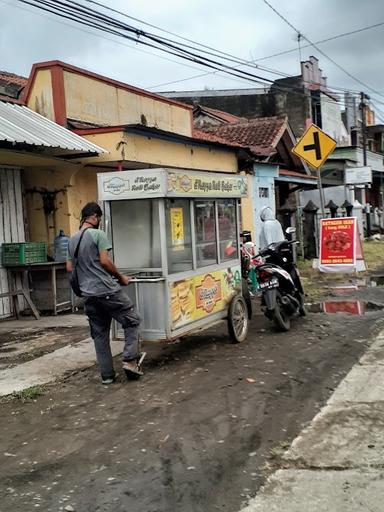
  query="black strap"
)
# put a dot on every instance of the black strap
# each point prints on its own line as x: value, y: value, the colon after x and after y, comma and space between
x: 76, y: 253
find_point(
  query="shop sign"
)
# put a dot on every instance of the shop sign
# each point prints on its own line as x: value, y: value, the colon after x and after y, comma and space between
x: 199, y: 296
x: 177, y: 228
x: 338, y: 241
x: 358, y: 175
x: 180, y: 184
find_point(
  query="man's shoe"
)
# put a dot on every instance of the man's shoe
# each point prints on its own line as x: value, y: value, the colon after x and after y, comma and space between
x: 108, y: 380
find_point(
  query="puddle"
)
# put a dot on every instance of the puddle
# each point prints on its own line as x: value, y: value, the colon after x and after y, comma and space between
x: 349, y: 307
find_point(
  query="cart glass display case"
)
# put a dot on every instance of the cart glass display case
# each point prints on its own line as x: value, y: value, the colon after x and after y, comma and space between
x: 176, y: 233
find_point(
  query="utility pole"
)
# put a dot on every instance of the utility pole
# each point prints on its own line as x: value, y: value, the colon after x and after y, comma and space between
x: 364, y: 97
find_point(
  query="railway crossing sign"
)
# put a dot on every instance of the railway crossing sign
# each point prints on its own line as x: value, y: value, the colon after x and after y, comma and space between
x: 314, y: 146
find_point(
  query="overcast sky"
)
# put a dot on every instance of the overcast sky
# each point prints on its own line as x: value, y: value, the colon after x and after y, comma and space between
x: 246, y: 28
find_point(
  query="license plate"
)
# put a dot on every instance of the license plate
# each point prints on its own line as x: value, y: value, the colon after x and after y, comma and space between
x: 273, y: 283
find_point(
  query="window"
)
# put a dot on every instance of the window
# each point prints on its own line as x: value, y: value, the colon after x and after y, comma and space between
x: 264, y: 192
x: 136, y: 235
x: 206, y: 238
x: 179, y: 243
x: 227, y: 229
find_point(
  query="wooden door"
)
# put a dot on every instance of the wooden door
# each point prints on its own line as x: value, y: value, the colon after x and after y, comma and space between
x: 11, y: 223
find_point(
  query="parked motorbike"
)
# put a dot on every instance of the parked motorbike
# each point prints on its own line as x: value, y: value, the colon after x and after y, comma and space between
x: 278, y: 281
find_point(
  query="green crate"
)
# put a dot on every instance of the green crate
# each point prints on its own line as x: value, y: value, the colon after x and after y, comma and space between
x: 23, y: 253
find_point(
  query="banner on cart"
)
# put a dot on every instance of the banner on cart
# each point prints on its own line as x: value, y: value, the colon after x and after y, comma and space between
x: 199, y: 296
x: 340, y: 245
x: 197, y: 185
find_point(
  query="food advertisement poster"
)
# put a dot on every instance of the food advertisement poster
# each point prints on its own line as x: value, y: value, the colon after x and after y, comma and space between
x: 338, y: 241
x: 199, y: 296
x: 177, y: 228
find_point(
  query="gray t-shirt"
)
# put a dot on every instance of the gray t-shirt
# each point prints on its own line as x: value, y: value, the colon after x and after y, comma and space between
x: 94, y: 280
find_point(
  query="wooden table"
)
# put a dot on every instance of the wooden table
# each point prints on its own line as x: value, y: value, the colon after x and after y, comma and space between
x: 51, y: 267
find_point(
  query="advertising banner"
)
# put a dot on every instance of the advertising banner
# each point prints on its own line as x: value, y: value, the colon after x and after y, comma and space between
x: 337, y: 241
x: 199, y: 296
x: 340, y: 246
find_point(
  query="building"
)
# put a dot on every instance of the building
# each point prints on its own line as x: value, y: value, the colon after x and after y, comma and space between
x: 304, y: 99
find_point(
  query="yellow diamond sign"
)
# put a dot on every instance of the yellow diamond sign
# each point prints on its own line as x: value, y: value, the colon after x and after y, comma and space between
x: 314, y: 146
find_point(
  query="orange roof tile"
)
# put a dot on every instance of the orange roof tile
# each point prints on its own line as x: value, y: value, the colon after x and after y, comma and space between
x: 261, y: 135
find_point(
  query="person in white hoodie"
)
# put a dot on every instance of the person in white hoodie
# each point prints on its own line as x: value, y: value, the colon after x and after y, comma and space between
x: 271, y: 230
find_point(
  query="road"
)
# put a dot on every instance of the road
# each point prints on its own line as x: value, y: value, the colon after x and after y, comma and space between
x: 198, y: 433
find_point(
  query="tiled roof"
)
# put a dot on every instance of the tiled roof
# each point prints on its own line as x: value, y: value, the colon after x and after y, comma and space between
x: 11, y: 78
x: 261, y: 135
x: 226, y: 117
x: 212, y: 137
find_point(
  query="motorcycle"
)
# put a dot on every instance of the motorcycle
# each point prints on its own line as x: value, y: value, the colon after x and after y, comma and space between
x: 278, y: 281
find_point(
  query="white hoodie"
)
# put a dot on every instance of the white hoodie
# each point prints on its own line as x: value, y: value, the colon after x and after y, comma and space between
x: 271, y: 230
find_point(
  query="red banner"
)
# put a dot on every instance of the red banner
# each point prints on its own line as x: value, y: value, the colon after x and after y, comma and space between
x: 338, y: 241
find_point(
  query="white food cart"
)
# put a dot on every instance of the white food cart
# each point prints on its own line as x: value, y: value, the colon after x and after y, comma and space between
x: 176, y: 233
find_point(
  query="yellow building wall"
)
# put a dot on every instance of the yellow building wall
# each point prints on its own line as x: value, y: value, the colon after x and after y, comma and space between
x: 41, y: 226
x: 162, y: 153
x: 41, y: 100
x: 93, y: 101
x: 247, y: 209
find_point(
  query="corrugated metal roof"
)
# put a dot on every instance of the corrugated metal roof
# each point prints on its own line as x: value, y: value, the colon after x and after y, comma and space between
x: 20, y: 124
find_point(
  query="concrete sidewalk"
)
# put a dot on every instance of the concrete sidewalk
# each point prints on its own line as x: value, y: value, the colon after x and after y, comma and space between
x: 337, y: 463
x: 26, y: 335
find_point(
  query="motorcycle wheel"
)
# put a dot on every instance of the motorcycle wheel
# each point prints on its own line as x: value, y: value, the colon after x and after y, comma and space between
x: 238, y: 321
x: 281, y: 317
x: 247, y: 297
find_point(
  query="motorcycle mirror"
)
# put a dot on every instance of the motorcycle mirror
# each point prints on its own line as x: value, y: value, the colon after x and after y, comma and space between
x: 290, y: 230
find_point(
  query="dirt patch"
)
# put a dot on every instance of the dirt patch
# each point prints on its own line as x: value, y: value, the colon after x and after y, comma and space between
x: 195, y: 434
x: 20, y: 346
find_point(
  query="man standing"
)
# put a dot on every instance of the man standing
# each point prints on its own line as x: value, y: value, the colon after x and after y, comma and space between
x: 100, y: 285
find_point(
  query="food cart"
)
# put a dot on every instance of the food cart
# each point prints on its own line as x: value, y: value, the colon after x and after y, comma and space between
x: 176, y: 233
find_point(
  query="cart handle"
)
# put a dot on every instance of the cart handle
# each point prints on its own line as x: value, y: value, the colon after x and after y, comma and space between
x: 146, y: 280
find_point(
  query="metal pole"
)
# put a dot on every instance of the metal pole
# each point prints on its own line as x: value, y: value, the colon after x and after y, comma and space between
x: 321, y: 192
x: 363, y: 97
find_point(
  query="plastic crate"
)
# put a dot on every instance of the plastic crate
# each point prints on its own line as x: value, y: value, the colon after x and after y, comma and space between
x: 23, y: 253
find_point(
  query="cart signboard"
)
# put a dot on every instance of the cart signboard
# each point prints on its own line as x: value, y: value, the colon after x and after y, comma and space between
x: 153, y: 183
x: 206, y: 184
x: 130, y: 185
x: 199, y: 296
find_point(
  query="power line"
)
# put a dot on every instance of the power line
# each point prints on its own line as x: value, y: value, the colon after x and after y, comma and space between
x: 88, y: 17
x: 319, y: 50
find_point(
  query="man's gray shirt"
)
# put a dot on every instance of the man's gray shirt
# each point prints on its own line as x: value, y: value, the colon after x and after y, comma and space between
x: 94, y: 280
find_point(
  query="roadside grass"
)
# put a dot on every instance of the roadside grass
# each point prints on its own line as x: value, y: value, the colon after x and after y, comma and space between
x: 29, y: 393
x: 318, y: 284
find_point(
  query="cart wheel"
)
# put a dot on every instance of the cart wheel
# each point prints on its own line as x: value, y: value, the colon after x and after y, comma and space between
x: 238, y: 321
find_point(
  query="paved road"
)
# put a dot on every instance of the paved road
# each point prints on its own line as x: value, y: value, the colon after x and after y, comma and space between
x: 196, y: 434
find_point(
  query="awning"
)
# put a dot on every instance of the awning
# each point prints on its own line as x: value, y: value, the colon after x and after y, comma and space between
x: 296, y: 177
x: 20, y: 125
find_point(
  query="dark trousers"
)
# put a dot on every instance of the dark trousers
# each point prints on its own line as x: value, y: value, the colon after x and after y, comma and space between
x: 100, y: 312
